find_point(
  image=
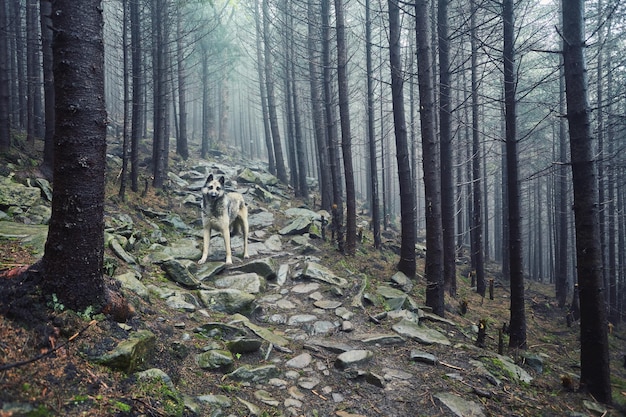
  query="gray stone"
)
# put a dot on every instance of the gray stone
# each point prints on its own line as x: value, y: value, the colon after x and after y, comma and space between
x: 282, y: 275
x: 534, y: 362
x: 244, y: 345
x: 298, y: 226
x: 215, y: 400
x: 183, y: 249
x: 299, y: 362
x: 383, y: 339
x: 209, y: 270
x: 15, y: 194
x: 177, y: 272
x: 262, y: 332
x: 131, y: 354
x: 46, y: 188
x: 273, y: 243
x: 344, y: 313
x: 426, y: 315
x: 317, y: 272
x: 424, y: 357
x: 331, y: 346
x: 155, y: 374
x: 227, y: 300
x: 266, y: 398
x: 375, y: 379
x: 327, y: 304
x: 252, y: 374
x: 215, y: 359
x: 394, y: 299
x: 249, y: 283
x: 305, y: 288
x: 301, y: 319
x: 459, y: 406
x: 308, y: 382
x: 130, y: 282
x: 421, y: 334
x: 261, y: 219
x: 302, y: 212
x: 32, y: 236
x: 181, y: 183
x: 119, y: 251
x: 265, y: 268
x: 402, y: 281
x: 322, y: 327
x: 353, y: 357
x: 182, y: 301
x: 253, y: 409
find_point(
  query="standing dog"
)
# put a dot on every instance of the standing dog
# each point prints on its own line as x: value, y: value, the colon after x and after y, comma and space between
x: 222, y: 211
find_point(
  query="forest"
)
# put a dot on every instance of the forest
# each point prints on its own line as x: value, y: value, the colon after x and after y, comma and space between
x: 486, y: 131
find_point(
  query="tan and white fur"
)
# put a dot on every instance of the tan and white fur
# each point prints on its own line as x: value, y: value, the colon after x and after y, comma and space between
x: 222, y: 211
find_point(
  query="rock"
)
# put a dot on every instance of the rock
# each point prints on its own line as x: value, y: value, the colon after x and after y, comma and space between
x: 119, y: 251
x: 182, y: 301
x: 253, y: 410
x: 250, y: 282
x: 383, y: 339
x: 181, y: 183
x: 262, y: 332
x: 308, y: 382
x: 459, y: 406
x: 273, y: 243
x: 424, y: 357
x: 155, y: 373
x: 419, y: 333
x: 331, y: 346
x: 130, y: 354
x: 375, y: 379
x: 534, y: 362
x: 265, y: 268
x: 394, y: 299
x: 263, y: 194
x: 215, y: 359
x: 403, y: 282
x: 353, y: 357
x: 433, y: 317
x: 244, y: 345
x: 302, y: 212
x: 183, y: 249
x: 298, y: 226
x: 261, y: 220
x: 260, y: 178
x: 15, y: 194
x: 327, y: 304
x: 506, y: 366
x: 45, y: 187
x: 130, y: 281
x: 222, y: 330
x: 266, y: 398
x: 227, y: 300
x: 251, y: 374
x: 179, y: 274
x: 209, y: 270
x: 33, y: 236
x: 317, y: 272
x: 299, y: 362
x: 215, y: 400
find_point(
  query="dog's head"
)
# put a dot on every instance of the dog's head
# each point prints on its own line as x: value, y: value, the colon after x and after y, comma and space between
x: 213, y: 187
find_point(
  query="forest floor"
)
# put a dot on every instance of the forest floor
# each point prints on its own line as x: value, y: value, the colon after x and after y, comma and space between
x: 59, y: 380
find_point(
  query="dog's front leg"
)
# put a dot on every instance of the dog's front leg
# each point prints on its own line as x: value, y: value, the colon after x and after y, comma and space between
x: 226, y: 234
x: 205, y: 243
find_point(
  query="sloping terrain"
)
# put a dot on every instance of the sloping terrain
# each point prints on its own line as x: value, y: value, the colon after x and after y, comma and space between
x: 296, y: 330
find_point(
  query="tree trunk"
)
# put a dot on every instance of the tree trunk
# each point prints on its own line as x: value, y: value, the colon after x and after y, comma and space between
x: 137, y: 86
x: 517, y: 326
x: 5, y: 98
x: 445, y: 151
x: 281, y: 172
x: 264, y: 111
x: 346, y: 135
x: 594, y: 354
x: 182, y: 147
x: 371, y: 134
x: 125, y: 138
x: 48, y: 86
x: 317, y: 111
x: 74, y: 249
x: 433, y: 269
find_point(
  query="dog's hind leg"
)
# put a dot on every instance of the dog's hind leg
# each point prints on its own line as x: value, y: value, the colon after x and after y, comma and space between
x: 205, y: 243
x: 244, y: 226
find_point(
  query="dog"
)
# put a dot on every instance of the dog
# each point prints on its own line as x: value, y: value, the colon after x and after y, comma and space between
x: 221, y: 211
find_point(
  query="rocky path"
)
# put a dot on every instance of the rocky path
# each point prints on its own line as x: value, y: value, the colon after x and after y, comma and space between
x: 286, y: 333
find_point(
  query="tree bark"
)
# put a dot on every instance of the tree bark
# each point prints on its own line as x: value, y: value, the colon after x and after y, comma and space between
x: 45, y: 7
x: 74, y: 249
x: 346, y: 135
x: 137, y: 87
x: 5, y: 98
x: 433, y: 269
x: 594, y: 355
x: 517, y: 326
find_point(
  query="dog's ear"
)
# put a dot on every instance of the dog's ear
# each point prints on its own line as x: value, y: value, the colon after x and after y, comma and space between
x: 209, y: 179
x: 222, y: 180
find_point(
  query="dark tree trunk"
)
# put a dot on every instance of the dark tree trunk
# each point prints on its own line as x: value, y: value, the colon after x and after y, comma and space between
x: 126, y: 115
x: 476, y: 230
x: 75, y: 246
x: 346, y: 135
x: 594, y: 354
x: 561, y: 281
x: 329, y: 109
x: 5, y: 98
x: 445, y: 151
x: 32, y: 68
x: 433, y: 269
x: 182, y: 147
x: 517, y: 326
x: 371, y: 134
x: 137, y: 86
x: 264, y: 110
x: 281, y: 172
x: 48, y: 86
x: 299, y: 142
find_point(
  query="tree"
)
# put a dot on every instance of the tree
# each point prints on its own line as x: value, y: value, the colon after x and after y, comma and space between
x: 594, y: 353
x: 48, y: 86
x: 5, y: 132
x: 517, y: 326
x: 433, y: 269
x: 346, y: 136
x: 445, y: 151
x: 73, y: 258
x: 281, y: 172
x: 182, y: 147
x: 371, y: 134
x: 137, y: 96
